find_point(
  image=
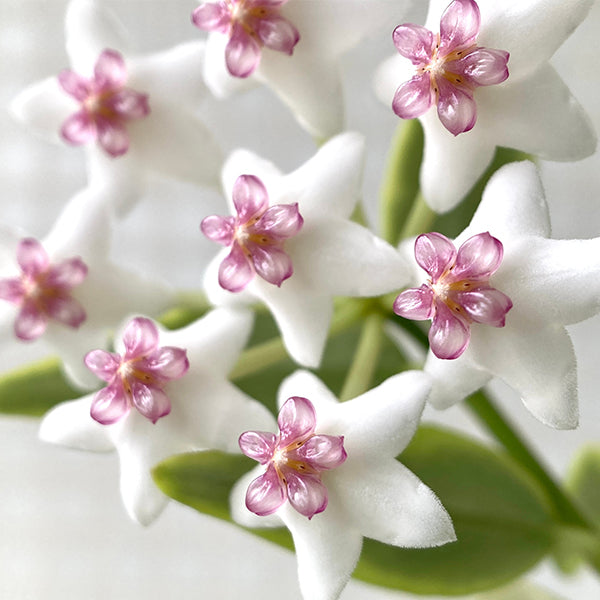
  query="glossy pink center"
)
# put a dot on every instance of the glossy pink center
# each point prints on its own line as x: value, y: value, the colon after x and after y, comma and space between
x: 458, y: 291
x: 295, y: 460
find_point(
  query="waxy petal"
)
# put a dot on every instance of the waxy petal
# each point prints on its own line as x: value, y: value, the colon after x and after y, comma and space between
x: 32, y: 257
x: 67, y: 274
x: 306, y: 493
x: 79, y: 129
x: 74, y: 84
x: 113, y: 137
x: 478, y: 258
x: 30, y: 323
x: 219, y: 229
x: 459, y: 25
x: 235, y: 271
x: 414, y: 42
x: 280, y: 222
x: 415, y: 303
x: 278, y: 34
x: 483, y: 66
x: 456, y: 108
x: 449, y: 335
x: 212, y: 16
x: 109, y: 405
x: 129, y: 104
x: 242, y: 53
x: 322, y: 452
x: 258, y: 445
x: 65, y: 310
x: 485, y: 305
x: 250, y: 197
x: 266, y: 493
x: 109, y: 70
x: 167, y: 362
x: 150, y: 401
x: 12, y: 290
x: 414, y: 97
x: 271, y: 263
x: 140, y: 338
x: 296, y: 420
x: 434, y: 253
x: 103, y: 364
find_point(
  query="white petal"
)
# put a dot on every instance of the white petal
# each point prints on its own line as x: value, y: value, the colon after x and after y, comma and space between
x: 388, y: 503
x: 70, y: 424
x: 392, y: 72
x: 327, y: 549
x: 307, y: 385
x: 216, y: 294
x: 44, y: 106
x: 539, y: 116
x: 90, y: 29
x: 342, y: 258
x: 171, y: 75
x: 175, y: 144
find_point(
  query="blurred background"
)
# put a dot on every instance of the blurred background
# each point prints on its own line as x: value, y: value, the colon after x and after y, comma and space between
x: 63, y: 531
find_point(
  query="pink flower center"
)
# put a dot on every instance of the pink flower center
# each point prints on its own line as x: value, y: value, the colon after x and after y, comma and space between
x: 106, y: 105
x: 43, y: 290
x: 449, y: 67
x: 458, y: 291
x: 250, y: 25
x: 295, y: 460
x: 256, y: 236
x: 138, y: 378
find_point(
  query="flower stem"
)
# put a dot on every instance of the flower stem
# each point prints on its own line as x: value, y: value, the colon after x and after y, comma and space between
x: 365, y: 358
x: 419, y: 220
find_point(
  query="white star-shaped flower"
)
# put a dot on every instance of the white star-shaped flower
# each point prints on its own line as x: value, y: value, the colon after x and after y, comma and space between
x: 66, y: 290
x: 532, y: 110
x: 551, y: 283
x: 136, y: 115
x: 370, y: 494
x: 206, y: 411
x: 293, y: 245
x: 307, y: 77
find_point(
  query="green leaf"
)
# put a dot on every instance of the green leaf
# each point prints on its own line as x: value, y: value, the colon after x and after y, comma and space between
x: 583, y: 481
x: 518, y: 590
x: 35, y: 389
x: 501, y: 521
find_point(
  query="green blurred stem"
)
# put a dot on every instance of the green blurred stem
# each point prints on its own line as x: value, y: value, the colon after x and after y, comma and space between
x: 419, y: 220
x: 365, y: 358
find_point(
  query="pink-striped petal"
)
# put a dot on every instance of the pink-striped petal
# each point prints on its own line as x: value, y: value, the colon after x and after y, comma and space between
x: 12, y: 290
x: 150, y: 401
x: 258, y: 445
x: 65, y: 310
x: 167, y: 363
x: 109, y: 405
x: 306, y: 493
x: 485, y: 305
x: 212, y: 16
x: 271, y: 263
x: 140, y: 338
x: 79, y: 129
x: 477, y: 258
x: 459, y: 25
x: 266, y: 493
x: 415, y: 303
x: 102, y: 364
x: 414, y: 97
x: 449, y: 335
x: 483, y: 66
x: 280, y: 222
x: 435, y: 253
x: 278, y: 34
x: 110, y: 71
x: 414, y: 42
x: 250, y: 197
x: 456, y: 108
x: 235, y: 272
x: 129, y: 104
x: 32, y: 257
x: 112, y: 137
x: 219, y: 229
x: 30, y: 323
x: 73, y: 84
x: 296, y: 420
x: 242, y: 53
x: 322, y: 452
x: 67, y: 274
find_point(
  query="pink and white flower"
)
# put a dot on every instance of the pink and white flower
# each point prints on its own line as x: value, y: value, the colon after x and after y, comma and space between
x: 458, y: 291
x: 136, y: 115
x: 551, y: 284
x: 179, y: 408
x: 360, y: 489
x: 256, y: 236
x: 532, y: 111
x: 250, y: 26
x: 331, y: 255
x: 449, y: 67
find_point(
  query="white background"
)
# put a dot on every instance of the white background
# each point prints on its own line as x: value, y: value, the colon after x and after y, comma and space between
x: 63, y: 531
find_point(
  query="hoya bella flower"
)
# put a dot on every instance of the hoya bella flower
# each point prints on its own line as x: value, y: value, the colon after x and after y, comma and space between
x: 458, y: 291
x: 65, y: 290
x: 206, y: 411
x: 330, y: 254
x: 307, y: 80
x: 551, y: 283
x: 43, y: 290
x: 532, y: 111
x: 250, y: 26
x: 136, y: 115
x: 256, y: 236
x: 138, y: 377
x: 367, y: 492
x: 295, y: 459
x: 449, y: 67
x: 106, y: 105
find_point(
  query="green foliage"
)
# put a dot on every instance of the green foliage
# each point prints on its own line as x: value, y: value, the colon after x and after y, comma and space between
x: 583, y: 482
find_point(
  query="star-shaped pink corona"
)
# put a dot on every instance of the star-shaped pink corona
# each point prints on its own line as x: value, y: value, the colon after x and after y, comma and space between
x: 295, y: 460
x: 250, y: 25
x: 138, y: 377
x: 106, y: 105
x: 256, y: 236
x: 458, y: 292
x: 43, y: 291
x: 450, y: 65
